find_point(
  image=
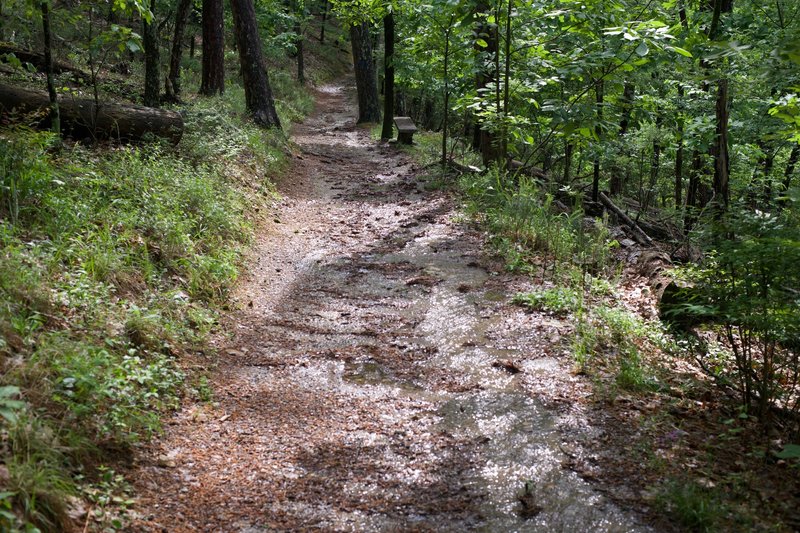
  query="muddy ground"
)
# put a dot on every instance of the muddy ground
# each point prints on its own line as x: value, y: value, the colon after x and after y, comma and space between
x: 367, y: 386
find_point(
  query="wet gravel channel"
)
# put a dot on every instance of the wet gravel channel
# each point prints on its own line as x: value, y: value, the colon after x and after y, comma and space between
x: 364, y: 388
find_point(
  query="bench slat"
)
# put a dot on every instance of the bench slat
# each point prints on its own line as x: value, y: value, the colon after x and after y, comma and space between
x: 405, y: 125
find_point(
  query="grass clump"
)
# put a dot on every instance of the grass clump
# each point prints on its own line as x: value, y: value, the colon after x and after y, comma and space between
x: 558, y: 300
x: 528, y: 231
x: 694, y: 507
x: 612, y: 339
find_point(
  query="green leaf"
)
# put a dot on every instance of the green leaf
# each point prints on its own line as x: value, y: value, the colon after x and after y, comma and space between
x: 8, y: 391
x: 642, y: 49
x: 8, y: 414
x: 790, y: 451
x: 482, y: 43
x: 681, y: 51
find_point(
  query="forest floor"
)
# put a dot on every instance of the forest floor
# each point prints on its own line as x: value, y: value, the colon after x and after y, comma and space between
x: 378, y: 378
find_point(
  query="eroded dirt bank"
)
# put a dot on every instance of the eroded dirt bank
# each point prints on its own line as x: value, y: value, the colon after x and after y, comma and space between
x: 361, y: 391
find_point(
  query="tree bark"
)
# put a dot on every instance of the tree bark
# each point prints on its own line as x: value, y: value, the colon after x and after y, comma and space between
x: 301, y: 69
x: 366, y: 77
x: 720, y: 149
x: 678, y: 195
x: 788, y: 174
x: 213, y: 69
x: 721, y: 158
x: 568, y: 149
x: 324, y: 20
x: 257, y: 90
x: 152, y: 70
x: 487, y: 59
x: 181, y: 18
x: 598, y: 131
x: 616, y: 182
x: 82, y: 118
x: 55, y: 117
x: 638, y: 234
x: 388, y: 77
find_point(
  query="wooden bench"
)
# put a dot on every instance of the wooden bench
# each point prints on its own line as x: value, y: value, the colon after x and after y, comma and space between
x: 405, y: 129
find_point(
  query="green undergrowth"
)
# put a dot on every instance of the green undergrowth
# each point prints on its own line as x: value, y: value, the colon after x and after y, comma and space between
x: 114, y: 262
x: 531, y: 234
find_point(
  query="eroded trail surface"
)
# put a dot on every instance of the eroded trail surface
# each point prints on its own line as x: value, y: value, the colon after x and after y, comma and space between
x: 362, y: 391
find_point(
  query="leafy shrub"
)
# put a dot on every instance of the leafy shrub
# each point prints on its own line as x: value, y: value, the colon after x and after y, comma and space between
x: 748, y: 288
x: 25, y: 172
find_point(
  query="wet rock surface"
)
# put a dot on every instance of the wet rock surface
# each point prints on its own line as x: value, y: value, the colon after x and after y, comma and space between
x: 367, y: 386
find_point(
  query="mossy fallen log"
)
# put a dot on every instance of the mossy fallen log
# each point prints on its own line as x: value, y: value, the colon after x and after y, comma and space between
x: 82, y: 118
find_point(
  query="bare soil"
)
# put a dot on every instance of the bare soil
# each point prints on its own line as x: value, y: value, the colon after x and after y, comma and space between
x: 377, y: 379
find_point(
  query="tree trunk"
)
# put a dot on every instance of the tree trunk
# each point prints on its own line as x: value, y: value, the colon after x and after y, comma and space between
x: 616, y: 182
x: 720, y: 149
x: 324, y: 20
x: 568, y: 149
x: 598, y: 131
x: 721, y: 158
x: 257, y: 91
x: 366, y: 78
x: 388, y: 81
x: 487, y: 58
x: 181, y: 17
x: 82, y: 118
x: 794, y: 156
x: 446, y: 110
x: 152, y: 70
x: 55, y: 117
x: 301, y: 70
x: 213, y: 71
x: 678, y: 196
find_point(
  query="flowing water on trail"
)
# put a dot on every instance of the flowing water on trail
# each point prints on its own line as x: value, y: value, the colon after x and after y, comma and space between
x: 364, y: 389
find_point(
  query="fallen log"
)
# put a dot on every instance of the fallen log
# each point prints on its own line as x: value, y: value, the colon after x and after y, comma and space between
x: 530, y: 171
x: 463, y: 169
x: 638, y: 234
x: 82, y: 118
x: 37, y: 60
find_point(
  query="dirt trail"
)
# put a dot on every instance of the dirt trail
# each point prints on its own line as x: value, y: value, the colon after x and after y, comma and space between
x: 359, y: 392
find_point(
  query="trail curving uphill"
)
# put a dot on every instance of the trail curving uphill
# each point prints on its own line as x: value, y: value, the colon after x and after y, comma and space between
x: 361, y: 391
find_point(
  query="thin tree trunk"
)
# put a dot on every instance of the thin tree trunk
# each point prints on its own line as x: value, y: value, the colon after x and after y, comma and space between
x: 616, y: 182
x: 55, y: 115
x: 722, y: 109
x: 487, y: 55
x: 788, y: 174
x: 678, y: 196
x: 152, y: 60
x: 301, y: 70
x: 257, y: 91
x: 598, y: 131
x: 721, y: 158
x: 324, y: 20
x: 445, y: 123
x: 213, y: 71
x: 388, y: 77
x: 568, y: 150
x: 366, y: 78
x: 181, y: 18
x: 506, y: 85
